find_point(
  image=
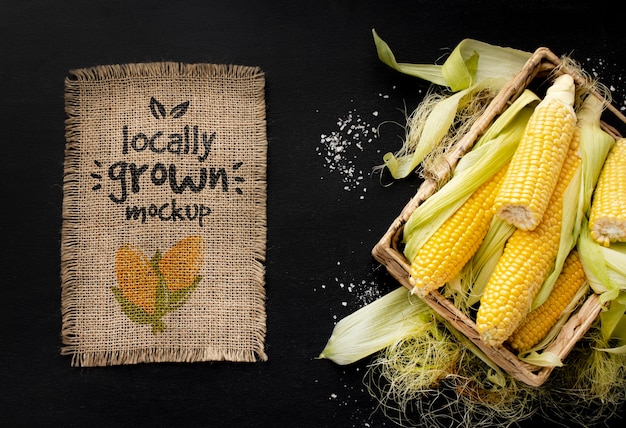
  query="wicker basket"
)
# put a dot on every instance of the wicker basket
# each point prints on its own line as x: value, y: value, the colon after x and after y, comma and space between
x: 387, y: 251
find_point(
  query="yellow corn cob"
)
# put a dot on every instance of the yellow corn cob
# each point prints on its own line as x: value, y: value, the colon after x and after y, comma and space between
x: 534, y: 169
x: 607, y: 220
x: 528, y: 258
x: 136, y: 277
x: 539, y: 321
x: 181, y: 263
x: 446, y: 252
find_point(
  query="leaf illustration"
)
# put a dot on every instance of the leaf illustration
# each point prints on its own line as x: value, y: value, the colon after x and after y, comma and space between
x: 179, y: 298
x: 132, y: 311
x: 137, y: 314
x: 179, y: 110
x: 158, y: 326
x: 157, y: 108
x: 154, y: 261
x: 162, y: 305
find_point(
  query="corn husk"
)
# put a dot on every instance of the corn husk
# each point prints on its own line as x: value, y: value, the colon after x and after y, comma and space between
x: 432, y: 121
x: 470, y: 62
x: 472, y: 68
x: 605, y: 267
x: 376, y: 326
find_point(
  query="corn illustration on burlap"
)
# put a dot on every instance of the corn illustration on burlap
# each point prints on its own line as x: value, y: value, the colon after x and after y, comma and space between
x: 164, y: 222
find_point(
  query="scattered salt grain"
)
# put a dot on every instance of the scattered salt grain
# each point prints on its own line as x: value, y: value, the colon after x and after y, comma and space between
x: 340, y: 148
x: 600, y: 69
x: 363, y: 291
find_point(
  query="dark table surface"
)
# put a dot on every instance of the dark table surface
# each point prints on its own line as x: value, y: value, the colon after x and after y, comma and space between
x: 326, y: 210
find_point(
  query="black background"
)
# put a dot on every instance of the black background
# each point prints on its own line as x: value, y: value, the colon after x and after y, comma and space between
x: 320, y: 66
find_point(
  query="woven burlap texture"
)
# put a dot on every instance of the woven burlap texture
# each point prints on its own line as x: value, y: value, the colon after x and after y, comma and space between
x: 164, y: 214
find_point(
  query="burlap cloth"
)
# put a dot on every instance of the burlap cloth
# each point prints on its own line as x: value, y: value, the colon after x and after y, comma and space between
x: 164, y: 214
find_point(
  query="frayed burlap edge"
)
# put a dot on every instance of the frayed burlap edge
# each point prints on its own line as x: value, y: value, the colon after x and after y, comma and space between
x: 165, y: 69
x: 69, y: 234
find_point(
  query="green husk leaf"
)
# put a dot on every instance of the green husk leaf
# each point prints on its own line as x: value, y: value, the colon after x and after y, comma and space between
x: 430, y: 72
x: 616, y: 350
x: 605, y: 267
x: 593, y: 261
x: 482, y: 61
x: 606, y: 271
x: 476, y: 273
x: 425, y: 135
x: 470, y: 62
x: 618, y: 330
x: 615, y: 257
x: 472, y: 67
x: 595, y: 145
x: 612, y: 319
x: 542, y: 359
x: 377, y: 326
